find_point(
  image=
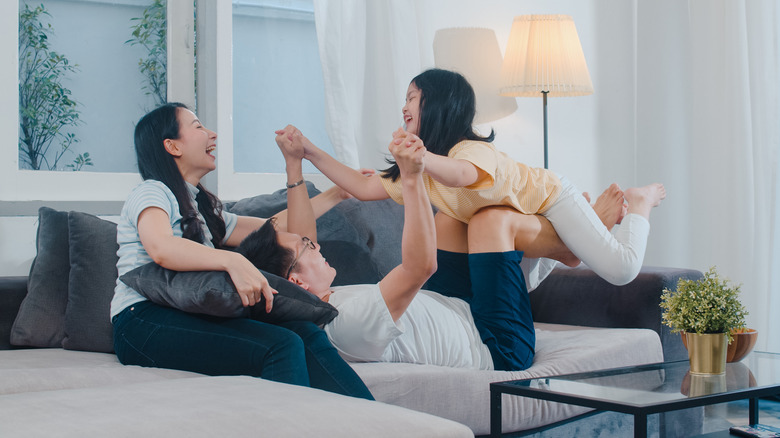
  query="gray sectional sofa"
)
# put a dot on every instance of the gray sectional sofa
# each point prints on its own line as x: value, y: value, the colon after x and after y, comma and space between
x: 58, y: 376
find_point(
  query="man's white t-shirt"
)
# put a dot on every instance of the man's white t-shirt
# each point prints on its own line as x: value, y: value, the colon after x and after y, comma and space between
x: 434, y: 330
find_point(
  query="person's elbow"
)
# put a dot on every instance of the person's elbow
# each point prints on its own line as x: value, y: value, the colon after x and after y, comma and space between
x: 159, y: 255
x: 426, y: 268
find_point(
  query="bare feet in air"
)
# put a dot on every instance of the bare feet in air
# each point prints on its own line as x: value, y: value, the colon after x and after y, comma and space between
x: 609, y: 206
x: 642, y: 199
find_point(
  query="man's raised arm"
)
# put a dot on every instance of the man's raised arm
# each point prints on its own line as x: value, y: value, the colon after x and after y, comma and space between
x: 418, y: 244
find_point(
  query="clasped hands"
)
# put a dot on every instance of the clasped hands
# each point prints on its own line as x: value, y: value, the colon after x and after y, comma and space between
x: 408, y: 151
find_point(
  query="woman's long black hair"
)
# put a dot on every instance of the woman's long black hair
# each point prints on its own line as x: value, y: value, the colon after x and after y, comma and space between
x: 447, y: 109
x: 154, y: 162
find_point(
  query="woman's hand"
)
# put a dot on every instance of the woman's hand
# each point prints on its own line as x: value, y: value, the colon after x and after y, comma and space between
x: 251, y: 285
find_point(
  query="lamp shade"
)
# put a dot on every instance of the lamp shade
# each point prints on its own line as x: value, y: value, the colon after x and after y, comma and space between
x: 544, y: 54
x: 474, y: 53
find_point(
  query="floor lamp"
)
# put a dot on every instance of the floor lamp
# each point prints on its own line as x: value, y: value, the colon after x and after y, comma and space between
x: 544, y: 56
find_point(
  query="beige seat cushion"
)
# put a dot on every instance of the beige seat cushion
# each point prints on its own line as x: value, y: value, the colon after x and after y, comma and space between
x: 54, y: 368
x: 231, y: 406
x: 464, y: 395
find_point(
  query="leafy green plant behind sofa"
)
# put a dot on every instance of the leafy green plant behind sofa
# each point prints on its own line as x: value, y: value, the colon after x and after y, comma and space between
x: 46, y: 109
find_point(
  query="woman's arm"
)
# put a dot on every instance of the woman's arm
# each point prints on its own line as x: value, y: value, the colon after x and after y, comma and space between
x: 179, y: 254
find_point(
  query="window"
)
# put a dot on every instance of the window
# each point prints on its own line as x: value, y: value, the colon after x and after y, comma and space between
x: 277, y: 80
x: 219, y: 47
x: 92, y: 34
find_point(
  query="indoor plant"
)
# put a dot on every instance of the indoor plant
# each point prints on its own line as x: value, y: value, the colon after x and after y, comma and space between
x: 706, y: 310
x: 150, y: 32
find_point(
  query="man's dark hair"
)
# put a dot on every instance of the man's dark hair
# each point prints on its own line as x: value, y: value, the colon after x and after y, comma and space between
x: 262, y: 248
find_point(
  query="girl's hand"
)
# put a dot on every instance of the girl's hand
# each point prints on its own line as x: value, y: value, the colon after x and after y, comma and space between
x: 250, y: 284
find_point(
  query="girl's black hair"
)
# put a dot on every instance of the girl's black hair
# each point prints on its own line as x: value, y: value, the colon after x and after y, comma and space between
x: 264, y: 251
x: 154, y: 162
x: 447, y: 109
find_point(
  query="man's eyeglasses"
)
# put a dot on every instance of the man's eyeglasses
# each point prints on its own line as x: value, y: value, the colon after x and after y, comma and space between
x: 307, y: 244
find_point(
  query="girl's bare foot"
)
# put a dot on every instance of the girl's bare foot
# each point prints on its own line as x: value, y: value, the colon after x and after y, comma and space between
x: 642, y: 199
x: 609, y: 206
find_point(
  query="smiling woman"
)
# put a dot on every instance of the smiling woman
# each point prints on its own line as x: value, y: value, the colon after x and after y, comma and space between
x: 193, y: 149
x: 172, y: 220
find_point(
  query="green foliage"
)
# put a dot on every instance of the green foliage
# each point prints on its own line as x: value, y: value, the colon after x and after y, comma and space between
x: 150, y: 32
x: 81, y: 161
x: 708, y: 305
x: 45, y: 105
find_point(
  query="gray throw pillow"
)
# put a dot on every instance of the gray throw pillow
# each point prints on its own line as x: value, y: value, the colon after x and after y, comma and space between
x: 378, y: 225
x: 265, y: 205
x: 352, y: 262
x: 41, y: 318
x: 213, y: 293
x: 91, y: 283
x: 333, y: 225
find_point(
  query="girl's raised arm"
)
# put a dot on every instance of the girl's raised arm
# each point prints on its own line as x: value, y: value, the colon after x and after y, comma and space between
x: 365, y: 188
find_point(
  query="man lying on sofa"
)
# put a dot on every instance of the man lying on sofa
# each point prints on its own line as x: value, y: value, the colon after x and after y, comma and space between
x: 394, y: 320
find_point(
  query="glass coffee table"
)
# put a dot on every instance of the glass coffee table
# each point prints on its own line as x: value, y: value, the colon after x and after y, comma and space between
x: 649, y: 389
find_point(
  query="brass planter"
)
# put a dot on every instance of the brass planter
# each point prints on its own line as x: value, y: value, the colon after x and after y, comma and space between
x: 707, y: 352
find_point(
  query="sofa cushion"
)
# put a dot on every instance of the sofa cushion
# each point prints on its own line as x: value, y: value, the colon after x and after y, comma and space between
x: 213, y: 293
x: 41, y: 318
x: 379, y: 226
x: 232, y: 406
x: 359, y: 239
x: 47, y: 369
x: 560, y: 349
x: 353, y: 263
x: 91, y: 283
x: 332, y: 225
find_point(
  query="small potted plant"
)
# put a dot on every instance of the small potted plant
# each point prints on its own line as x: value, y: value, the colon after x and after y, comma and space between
x: 707, y: 311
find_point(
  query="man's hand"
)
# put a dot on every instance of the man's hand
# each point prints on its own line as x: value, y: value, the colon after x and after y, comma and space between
x: 290, y: 143
x: 409, y: 152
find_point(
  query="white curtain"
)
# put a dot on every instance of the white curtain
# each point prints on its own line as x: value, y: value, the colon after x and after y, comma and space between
x: 369, y: 54
x: 734, y: 147
x: 708, y: 115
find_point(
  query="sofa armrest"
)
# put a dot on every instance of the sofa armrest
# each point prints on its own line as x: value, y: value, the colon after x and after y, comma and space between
x: 579, y: 297
x: 12, y: 292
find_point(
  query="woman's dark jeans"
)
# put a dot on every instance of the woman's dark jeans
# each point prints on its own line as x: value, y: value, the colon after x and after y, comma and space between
x: 146, y: 334
x: 327, y: 370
